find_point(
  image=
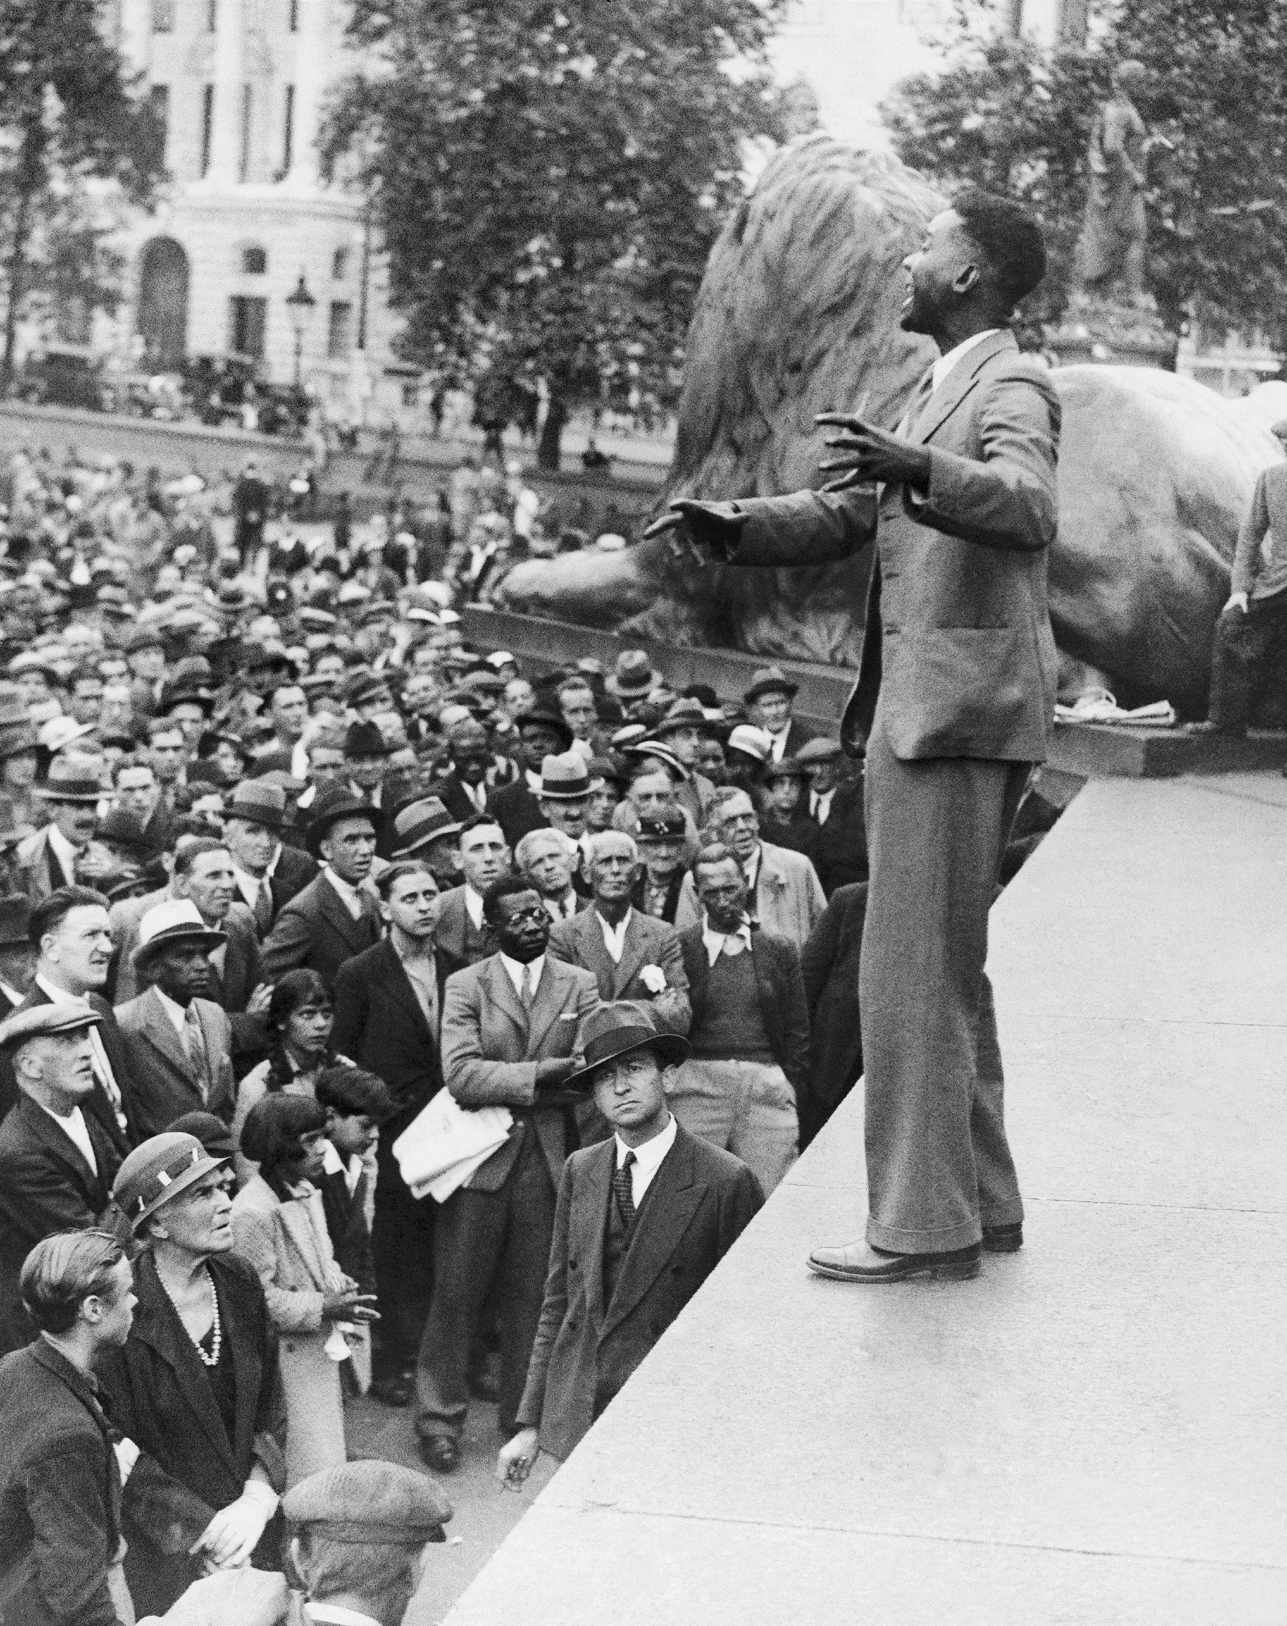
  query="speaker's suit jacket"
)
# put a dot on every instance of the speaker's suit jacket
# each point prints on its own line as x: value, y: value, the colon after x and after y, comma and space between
x: 648, y: 941
x: 958, y: 641
x: 491, y: 1045
x: 163, y: 1085
x: 698, y: 1203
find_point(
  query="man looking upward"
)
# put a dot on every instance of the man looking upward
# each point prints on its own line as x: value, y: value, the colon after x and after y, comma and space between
x: 955, y: 696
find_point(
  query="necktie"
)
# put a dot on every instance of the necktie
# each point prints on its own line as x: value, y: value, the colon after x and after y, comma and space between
x: 623, y: 1190
x: 529, y: 986
x: 194, y: 1048
x: 264, y: 907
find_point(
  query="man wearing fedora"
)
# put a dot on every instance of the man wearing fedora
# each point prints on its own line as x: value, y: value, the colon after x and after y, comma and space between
x: 564, y: 798
x: 366, y: 761
x: 426, y: 831
x: 542, y: 733
x: 336, y: 915
x: 267, y: 872
x: 510, y: 1030
x: 57, y: 1163
x: 642, y: 1220
x: 178, y: 1043
x: 47, y: 859
x: 632, y: 679
x: 769, y: 702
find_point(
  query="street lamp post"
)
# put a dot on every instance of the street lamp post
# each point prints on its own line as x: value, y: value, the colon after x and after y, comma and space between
x: 300, y: 304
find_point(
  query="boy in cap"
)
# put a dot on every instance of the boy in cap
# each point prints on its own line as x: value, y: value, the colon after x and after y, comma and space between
x: 646, y: 1215
x: 357, y: 1540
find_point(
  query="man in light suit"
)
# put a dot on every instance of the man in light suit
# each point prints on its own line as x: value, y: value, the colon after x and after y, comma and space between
x: 509, y: 1037
x: 178, y: 1043
x: 632, y: 955
x: 955, y: 694
x: 643, y: 1218
x: 336, y: 916
x: 785, y: 894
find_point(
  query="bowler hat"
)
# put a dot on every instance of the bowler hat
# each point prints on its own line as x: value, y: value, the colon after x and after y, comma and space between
x: 176, y: 920
x: 619, y: 1029
x: 419, y: 823
x: 364, y: 740
x: 158, y: 1170
x: 770, y: 680
x: 258, y: 802
x: 71, y: 779
x: 331, y: 804
x: 564, y: 778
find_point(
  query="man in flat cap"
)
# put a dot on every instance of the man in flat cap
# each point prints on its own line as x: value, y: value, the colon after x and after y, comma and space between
x: 644, y: 1217
x: 358, y: 1535
x: 57, y: 1163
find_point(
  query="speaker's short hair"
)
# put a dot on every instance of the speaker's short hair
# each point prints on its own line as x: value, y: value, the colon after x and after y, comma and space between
x: 1010, y: 238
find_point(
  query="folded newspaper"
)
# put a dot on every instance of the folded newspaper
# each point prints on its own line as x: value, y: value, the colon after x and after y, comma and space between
x: 1102, y: 708
x: 443, y: 1145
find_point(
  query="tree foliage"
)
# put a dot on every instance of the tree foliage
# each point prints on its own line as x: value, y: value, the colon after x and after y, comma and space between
x: 549, y: 177
x: 69, y: 117
x: 1004, y: 114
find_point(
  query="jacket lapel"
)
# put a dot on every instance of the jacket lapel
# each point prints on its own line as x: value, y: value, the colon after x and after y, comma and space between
x: 394, y: 977
x: 957, y: 385
x: 501, y: 993
x: 588, y: 1224
x: 548, y: 1004
x: 332, y: 907
x: 670, y: 1204
x: 633, y: 954
x: 297, y: 1222
x: 62, y: 1146
x: 159, y: 1032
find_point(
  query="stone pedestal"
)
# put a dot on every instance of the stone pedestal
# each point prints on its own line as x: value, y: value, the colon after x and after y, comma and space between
x: 1109, y: 333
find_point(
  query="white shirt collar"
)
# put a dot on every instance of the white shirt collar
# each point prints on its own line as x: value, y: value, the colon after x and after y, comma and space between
x: 248, y: 885
x: 331, y: 1614
x: 73, y: 1126
x: 533, y: 781
x: 648, y: 1158
x: 57, y: 995
x: 177, y: 1013
x: 717, y: 942
x: 517, y: 971
x: 944, y: 365
x: 474, y: 907
x: 614, y: 937
x: 333, y: 1163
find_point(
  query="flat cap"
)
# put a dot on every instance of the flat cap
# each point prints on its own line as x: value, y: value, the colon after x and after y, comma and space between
x: 378, y: 1502
x: 39, y: 1021
x: 819, y: 750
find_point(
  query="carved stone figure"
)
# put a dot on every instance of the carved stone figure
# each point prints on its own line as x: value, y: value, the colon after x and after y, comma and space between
x: 1114, y: 233
x: 798, y: 314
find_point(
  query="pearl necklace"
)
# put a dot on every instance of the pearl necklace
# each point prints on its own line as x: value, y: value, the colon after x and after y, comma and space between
x: 216, y: 1328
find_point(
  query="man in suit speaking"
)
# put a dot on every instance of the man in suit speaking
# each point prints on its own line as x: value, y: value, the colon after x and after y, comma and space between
x: 955, y: 695
x: 643, y: 1218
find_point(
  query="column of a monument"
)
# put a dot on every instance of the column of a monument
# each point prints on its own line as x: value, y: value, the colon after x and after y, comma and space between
x: 313, y: 51
x: 135, y: 33
x: 225, y: 144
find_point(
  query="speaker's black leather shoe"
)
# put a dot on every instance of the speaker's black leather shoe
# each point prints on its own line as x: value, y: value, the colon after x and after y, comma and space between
x: 860, y: 1263
x: 440, y: 1452
x: 1002, y: 1238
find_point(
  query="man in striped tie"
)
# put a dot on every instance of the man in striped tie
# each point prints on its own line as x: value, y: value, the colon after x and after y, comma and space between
x: 645, y: 1215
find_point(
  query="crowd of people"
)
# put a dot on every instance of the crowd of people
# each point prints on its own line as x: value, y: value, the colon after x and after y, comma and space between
x: 381, y: 1015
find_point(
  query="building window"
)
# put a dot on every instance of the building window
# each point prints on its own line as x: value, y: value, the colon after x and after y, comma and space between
x: 247, y: 111
x: 339, y: 332
x: 248, y: 319
x: 339, y: 264
x: 288, y: 130
x: 212, y: 16
x: 163, y: 16
x: 158, y: 100
x: 292, y: 12
x: 207, y: 127
x: 254, y: 261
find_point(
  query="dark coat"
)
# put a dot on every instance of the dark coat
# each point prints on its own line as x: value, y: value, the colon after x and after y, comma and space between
x: 699, y: 1202
x: 782, y: 1006
x: 60, y: 1493
x: 98, y: 1103
x: 293, y: 872
x: 346, y: 1226
x: 379, y: 1025
x: 673, y: 890
x: 45, y: 1186
x: 829, y: 965
x: 232, y: 987
x: 453, y: 796
x: 800, y: 835
x: 317, y: 931
x: 161, y: 1399
x: 516, y: 810
x: 843, y: 839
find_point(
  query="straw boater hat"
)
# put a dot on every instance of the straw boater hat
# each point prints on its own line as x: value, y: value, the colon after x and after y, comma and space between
x: 159, y: 1170
x: 751, y: 741
x: 564, y: 778
x: 176, y: 920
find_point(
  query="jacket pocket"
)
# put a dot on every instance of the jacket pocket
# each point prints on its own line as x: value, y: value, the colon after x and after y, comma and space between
x: 963, y: 691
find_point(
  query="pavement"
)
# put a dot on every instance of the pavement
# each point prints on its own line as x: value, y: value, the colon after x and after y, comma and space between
x: 1093, y: 1431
